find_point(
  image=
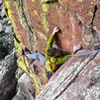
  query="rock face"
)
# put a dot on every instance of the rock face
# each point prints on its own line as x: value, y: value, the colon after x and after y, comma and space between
x: 9, y: 84
x: 8, y: 66
x: 77, y: 79
x: 25, y: 89
x: 33, y: 22
x: 6, y: 29
x: 8, y: 81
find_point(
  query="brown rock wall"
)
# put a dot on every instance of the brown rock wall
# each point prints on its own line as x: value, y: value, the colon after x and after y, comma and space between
x: 68, y: 25
x: 34, y: 20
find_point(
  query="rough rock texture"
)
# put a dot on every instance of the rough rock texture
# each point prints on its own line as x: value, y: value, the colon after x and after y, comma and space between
x: 77, y: 79
x: 8, y: 81
x: 6, y: 29
x: 8, y: 66
x: 34, y: 20
x: 25, y: 89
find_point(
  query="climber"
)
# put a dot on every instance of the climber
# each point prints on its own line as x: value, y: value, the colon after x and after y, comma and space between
x: 51, y: 52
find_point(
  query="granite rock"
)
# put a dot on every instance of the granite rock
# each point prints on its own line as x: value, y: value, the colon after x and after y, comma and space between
x: 8, y: 81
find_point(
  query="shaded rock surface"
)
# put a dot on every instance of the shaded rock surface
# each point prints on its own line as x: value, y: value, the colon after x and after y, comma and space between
x: 25, y: 89
x: 8, y: 81
x: 6, y: 29
x: 8, y: 66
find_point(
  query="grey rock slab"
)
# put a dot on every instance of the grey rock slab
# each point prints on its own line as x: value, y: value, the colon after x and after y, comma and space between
x: 1, y: 27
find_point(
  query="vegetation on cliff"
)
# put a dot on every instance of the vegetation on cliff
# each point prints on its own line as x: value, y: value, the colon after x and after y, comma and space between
x: 3, y: 49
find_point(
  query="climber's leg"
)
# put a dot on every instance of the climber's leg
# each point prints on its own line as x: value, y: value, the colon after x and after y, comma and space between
x: 38, y: 56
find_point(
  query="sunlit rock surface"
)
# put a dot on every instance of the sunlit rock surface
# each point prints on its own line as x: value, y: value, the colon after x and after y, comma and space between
x: 76, y: 79
x: 33, y: 22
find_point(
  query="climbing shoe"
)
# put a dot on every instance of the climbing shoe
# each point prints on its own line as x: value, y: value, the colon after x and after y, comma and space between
x: 48, y: 74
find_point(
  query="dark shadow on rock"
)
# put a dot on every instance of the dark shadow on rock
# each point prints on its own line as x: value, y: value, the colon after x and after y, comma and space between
x: 51, y: 1
x: 15, y: 37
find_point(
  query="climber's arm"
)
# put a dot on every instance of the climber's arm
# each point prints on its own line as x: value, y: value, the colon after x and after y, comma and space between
x: 49, y: 45
x: 50, y: 41
x: 61, y: 60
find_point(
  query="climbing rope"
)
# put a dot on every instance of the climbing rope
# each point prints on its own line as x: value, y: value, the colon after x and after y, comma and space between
x: 89, y: 52
x: 85, y: 53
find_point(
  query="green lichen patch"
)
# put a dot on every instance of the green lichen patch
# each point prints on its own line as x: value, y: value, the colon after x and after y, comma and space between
x: 23, y: 63
x: 35, y: 12
x: 8, y: 11
x: 45, y: 7
x: 41, y: 35
x: 33, y: 0
x: 80, y: 0
x: 44, y: 22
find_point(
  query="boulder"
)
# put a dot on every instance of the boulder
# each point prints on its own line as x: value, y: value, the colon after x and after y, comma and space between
x: 25, y: 89
x: 8, y: 29
x: 8, y: 81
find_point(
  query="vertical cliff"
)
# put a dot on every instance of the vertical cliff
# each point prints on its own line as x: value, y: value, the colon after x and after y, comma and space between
x: 34, y: 20
x: 8, y: 66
